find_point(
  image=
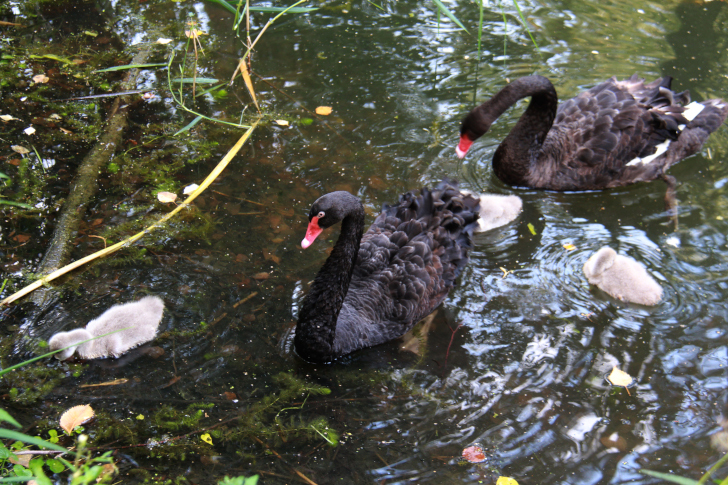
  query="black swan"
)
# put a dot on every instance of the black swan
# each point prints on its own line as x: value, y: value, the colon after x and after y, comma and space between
x: 137, y: 322
x: 374, y: 287
x: 617, y: 133
x: 622, y: 277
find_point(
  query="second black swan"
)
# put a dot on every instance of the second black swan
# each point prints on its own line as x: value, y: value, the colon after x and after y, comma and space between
x: 616, y: 133
x: 375, y: 286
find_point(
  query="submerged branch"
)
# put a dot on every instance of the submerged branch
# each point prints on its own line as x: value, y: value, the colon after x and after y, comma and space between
x: 85, y: 185
x: 104, y: 252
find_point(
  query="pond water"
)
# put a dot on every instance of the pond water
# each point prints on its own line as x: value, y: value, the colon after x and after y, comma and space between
x: 513, y: 362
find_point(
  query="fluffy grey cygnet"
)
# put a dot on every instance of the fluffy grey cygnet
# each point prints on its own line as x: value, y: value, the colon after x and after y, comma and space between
x: 140, y: 319
x: 622, y: 277
x: 496, y: 210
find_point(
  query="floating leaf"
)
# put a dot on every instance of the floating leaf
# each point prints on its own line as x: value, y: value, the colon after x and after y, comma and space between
x: 163, y: 41
x: 324, y: 110
x: 19, y: 149
x: 140, y: 417
x: 29, y: 130
x: 506, y: 481
x: 206, y: 438
x: 569, y: 247
x: 261, y: 276
x: 7, y: 118
x: 282, y: 122
x: 620, y: 378
x: 189, y: 189
x: 474, y: 454
x: 531, y: 228
x: 40, y: 78
x: 165, y: 197
x: 75, y: 416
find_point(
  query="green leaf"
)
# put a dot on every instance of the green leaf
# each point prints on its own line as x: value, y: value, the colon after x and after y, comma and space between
x: 532, y: 229
x: 284, y: 9
x: 26, y: 478
x: 3, y: 176
x: 54, y: 465
x: 449, y: 14
x: 21, y: 471
x: 190, y: 125
x: 16, y: 204
x: 197, y: 80
x: 227, y: 6
x: 53, y: 57
x: 5, y: 416
x: 670, y: 477
x: 36, y: 466
x: 131, y: 66
x: 14, y: 435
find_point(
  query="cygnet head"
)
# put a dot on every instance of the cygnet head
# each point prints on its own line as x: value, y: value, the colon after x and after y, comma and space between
x: 599, y: 262
x: 64, y: 339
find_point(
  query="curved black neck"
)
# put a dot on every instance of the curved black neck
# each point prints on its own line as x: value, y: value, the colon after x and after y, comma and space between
x: 520, y: 148
x: 320, y: 309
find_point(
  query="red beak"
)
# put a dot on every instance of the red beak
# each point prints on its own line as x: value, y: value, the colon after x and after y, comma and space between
x: 311, y: 233
x: 463, y: 146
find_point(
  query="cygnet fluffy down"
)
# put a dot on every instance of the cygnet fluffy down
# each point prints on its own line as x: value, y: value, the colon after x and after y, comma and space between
x: 140, y: 320
x: 622, y: 277
x: 496, y: 210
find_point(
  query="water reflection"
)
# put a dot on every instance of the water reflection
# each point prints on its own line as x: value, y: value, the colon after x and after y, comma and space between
x: 516, y: 356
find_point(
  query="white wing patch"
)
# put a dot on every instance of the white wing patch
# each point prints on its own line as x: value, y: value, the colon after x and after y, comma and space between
x: 691, y: 111
x: 659, y: 150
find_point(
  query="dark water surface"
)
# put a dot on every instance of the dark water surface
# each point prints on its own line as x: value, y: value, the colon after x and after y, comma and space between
x: 514, y: 363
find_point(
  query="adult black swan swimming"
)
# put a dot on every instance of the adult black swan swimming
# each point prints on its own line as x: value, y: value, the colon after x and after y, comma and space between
x: 374, y: 287
x: 617, y: 133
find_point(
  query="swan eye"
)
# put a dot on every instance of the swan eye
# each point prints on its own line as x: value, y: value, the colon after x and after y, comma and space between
x: 321, y: 215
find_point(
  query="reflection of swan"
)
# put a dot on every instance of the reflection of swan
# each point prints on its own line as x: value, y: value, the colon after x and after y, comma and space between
x: 140, y: 320
x: 376, y: 285
x: 622, y: 277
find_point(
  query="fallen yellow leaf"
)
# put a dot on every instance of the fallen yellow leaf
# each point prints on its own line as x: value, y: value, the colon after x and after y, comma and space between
x: 506, y: 481
x: 620, y: 378
x: 282, y: 122
x: 75, y: 416
x: 324, y: 110
x: 248, y: 82
x: 40, y: 78
x: 206, y: 438
x: 569, y: 247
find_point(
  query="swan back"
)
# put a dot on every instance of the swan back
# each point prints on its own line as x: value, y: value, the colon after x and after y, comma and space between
x: 133, y: 324
x: 622, y: 277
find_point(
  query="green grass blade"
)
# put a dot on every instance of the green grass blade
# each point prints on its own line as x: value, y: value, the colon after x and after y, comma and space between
x: 131, y: 66
x: 449, y: 14
x: 16, y: 204
x: 669, y: 477
x: 284, y: 9
x: 525, y: 24
x: 225, y: 5
x: 14, y: 435
x: 5, y: 416
x: 198, y: 80
x: 3, y: 176
x: 190, y: 125
x: 16, y: 479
